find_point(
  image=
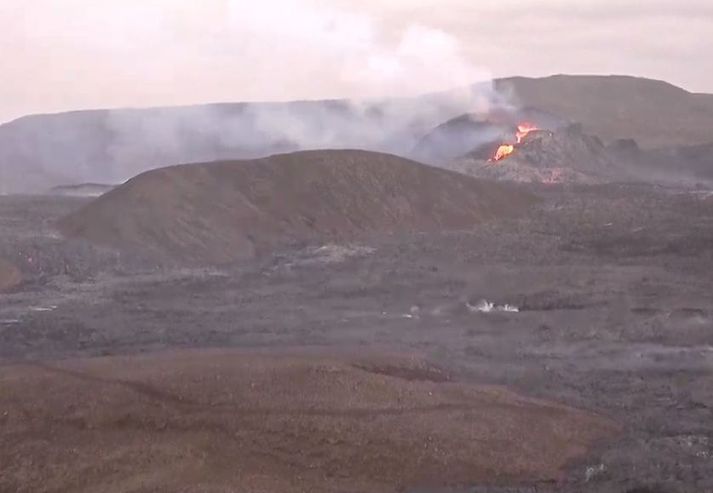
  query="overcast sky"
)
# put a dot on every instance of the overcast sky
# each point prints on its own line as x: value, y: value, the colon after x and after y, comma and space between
x: 73, y: 54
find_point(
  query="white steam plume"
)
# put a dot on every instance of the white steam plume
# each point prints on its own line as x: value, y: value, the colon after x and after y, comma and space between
x: 356, y: 52
x: 291, y: 46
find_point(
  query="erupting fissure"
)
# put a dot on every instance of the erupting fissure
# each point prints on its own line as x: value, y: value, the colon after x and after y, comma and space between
x: 506, y: 150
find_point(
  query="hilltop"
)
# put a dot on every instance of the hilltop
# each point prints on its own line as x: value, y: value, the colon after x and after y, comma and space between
x: 221, y: 211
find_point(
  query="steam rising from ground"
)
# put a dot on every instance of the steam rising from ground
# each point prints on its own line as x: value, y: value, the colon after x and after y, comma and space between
x: 389, y: 69
x: 363, y: 59
x: 366, y: 60
x: 291, y: 44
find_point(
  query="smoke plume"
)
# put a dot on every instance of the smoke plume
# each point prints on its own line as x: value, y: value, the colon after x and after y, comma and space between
x: 408, y: 81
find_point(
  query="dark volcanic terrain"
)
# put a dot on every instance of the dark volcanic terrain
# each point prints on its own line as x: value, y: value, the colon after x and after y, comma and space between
x: 222, y: 211
x: 614, y: 317
x: 38, y: 152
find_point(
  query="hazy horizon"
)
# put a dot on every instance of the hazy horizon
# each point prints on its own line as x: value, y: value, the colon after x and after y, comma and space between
x: 77, y: 54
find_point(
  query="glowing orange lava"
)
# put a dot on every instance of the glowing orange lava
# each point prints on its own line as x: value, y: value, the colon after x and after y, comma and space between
x: 523, y: 129
x: 506, y: 150
x: 503, y: 151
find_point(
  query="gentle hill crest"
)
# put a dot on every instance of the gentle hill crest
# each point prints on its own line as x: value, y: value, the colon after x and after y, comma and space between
x: 217, y: 212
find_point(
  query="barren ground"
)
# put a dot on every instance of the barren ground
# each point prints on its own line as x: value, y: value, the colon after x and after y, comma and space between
x: 613, y: 285
x: 234, y: 421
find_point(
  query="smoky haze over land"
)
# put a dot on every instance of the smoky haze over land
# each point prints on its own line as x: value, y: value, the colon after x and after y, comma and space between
x: 79, y: 54
x: 381, y: 78
x: 356, y: 246
x: 662, y: 122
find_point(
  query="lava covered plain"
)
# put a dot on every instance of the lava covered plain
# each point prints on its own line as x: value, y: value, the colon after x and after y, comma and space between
x: 613, y: 289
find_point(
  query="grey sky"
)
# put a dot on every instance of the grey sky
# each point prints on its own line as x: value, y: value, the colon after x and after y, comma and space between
x: 74, y: 54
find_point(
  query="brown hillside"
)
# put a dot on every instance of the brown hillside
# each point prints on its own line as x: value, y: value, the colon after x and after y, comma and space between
x: 656, y: 114
x: 10, y: 276
x: 217, y: 212
x: 223, y: 421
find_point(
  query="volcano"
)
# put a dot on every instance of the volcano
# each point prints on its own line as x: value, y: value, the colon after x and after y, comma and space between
x: 505, y: 150
x: 458, y: 136
x: 461, y: 135
x: 567, y: 155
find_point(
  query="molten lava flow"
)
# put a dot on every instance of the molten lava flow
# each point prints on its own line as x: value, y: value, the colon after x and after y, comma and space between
x: 503, y: 151
x: 506, y: 150
x: 523, y: 129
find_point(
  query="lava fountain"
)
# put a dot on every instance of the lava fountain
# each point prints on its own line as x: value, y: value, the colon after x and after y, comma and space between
x: 503, y: 151
x: 506, y: 150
